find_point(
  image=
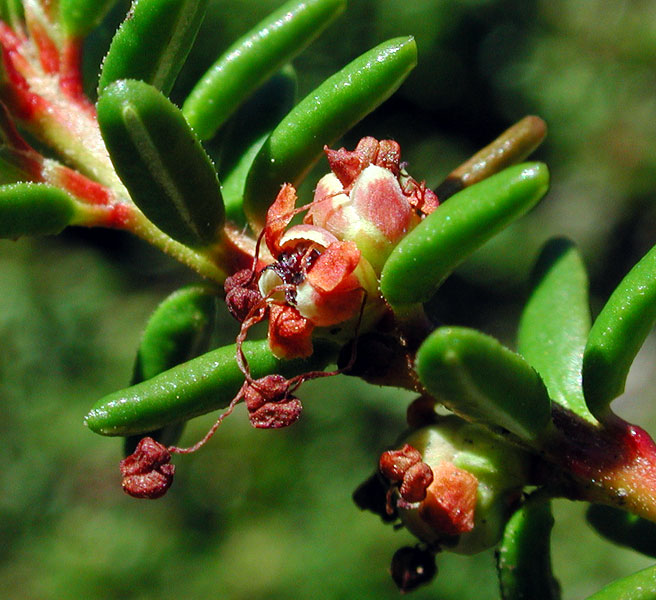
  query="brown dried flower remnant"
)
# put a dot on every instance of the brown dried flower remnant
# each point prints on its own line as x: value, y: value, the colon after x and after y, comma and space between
x: 242, y: 293
x: 269, y: 403
x: 415, y: 483
x: 147, y: 472
x: 405, y: 468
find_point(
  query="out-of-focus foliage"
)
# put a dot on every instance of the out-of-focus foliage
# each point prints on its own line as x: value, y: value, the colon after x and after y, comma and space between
x: 268, y: 515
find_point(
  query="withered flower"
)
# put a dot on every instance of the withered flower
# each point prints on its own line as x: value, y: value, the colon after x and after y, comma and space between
x: 147, y: 472
x: 269, y: 403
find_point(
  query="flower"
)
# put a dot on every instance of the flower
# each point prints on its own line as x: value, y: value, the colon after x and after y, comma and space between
x: 321, y: 277
x: 314, y: 280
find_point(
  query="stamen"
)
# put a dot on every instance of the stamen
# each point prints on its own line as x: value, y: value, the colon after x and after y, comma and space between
x: 255, y: 315
x: 212, y: 430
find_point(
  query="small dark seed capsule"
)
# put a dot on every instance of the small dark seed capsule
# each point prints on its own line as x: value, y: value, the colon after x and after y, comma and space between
x: 412, y: 567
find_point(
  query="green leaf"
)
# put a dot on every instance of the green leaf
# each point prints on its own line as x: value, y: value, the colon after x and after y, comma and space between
x: 79, y: 17
x: 252, y: 59
x: 476, y: 377
x: 524, y: 556
x: 555, y: 324
x: 34, y: 209
x: 513, y: 146
x: 428, y: 254
x: 617, y: 334
x: 638, y: 586
x: 196, y: 387
x: 246, y: 133
x: 178, y: 330
x: 16, y: 166
x: 321, y: 118
x: 161, y: 162
x: 153, y: 42
x: 18, y: 160
x: 623, y: 528
x: 11, y: 12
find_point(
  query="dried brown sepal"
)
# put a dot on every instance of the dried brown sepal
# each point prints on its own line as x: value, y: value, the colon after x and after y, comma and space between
x: 242, y: 294
x: 345, y: 164
x: 394, y: 463
x: 389, y: 156
x: 412, y: 566
x: 147, y: 472
x: 269, y: 404
x: 367, y: 150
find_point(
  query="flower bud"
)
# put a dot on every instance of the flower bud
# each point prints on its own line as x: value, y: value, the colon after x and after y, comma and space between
x: 369, y: 199
x: 477, y: 478
x: 322, y: 278
x: 374, y: 213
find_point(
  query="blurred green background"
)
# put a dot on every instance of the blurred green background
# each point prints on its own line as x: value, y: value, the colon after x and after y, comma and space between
x: 260, y: 514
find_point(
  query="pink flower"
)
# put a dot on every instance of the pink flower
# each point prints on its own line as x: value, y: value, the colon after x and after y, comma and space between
x: 321, y: 277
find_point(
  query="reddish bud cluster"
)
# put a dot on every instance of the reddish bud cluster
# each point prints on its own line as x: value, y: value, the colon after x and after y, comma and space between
x: 147, y: 472
x: 347, y: 164
x: 406, y: 468
x: 269, y: 403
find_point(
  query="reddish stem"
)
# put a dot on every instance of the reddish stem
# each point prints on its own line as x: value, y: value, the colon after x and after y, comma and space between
x: 212, y: 430
x: 82, y: 187
x: 47, y: 49
x: 10, y: 133
x: 70, y: 77
x: 24, y: 103
x: 614, y: 462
